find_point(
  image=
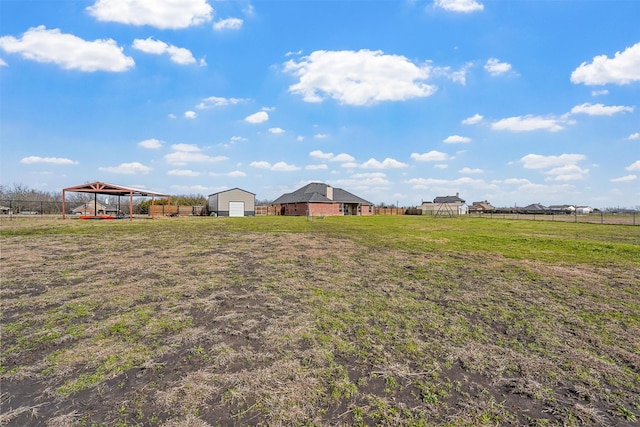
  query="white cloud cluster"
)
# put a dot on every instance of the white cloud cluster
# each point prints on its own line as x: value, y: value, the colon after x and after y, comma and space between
x: 179, y: 55
x: 461, y: 6
x: 623, y: 68
x: 342, y: 157
x: 387, y: 163
x: 473, y: 120
x: 183, y: 154
x: 456, y: 139
x: 127, y: 169
x: 558, y: 168
x: 163, y: 14
x: 151, y: 144
x: 276, y: 131
x: 228, y: 24
x: 634, y: 136
x: 217, y: 101
x: 529, y: 123
x: 183, y: 172
x: 68, y: 51
x: 277, y: 167
x: 259, y: 117
x: 496, y: 68
x: 431, y: 156
x: 600, y: 109
x: 363, y: 77
x: 49, y: 160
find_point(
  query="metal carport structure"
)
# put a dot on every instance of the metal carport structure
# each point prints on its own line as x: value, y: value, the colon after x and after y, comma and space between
x: 96, y: 188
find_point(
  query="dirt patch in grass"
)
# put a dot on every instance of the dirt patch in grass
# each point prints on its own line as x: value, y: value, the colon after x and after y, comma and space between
x: 195, y: 323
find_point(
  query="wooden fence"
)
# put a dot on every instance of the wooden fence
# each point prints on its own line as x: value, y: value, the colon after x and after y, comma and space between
x: 169, y: 210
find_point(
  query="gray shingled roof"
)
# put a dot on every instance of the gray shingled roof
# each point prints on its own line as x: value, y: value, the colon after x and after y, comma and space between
x: 448, y: 199
x: 317, y: 192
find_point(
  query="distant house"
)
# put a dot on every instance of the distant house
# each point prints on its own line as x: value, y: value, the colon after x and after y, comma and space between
x: 445, y: 205
x: 234, y: 202
x: 318, y: 199
x: 562, y: 209
x: 90, y: 208
x: 535, y: 208
x: 584, y: 210
x: 6, y: 210
x: 481, y: 207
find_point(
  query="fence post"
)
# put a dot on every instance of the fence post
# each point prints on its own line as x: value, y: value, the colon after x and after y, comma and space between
x: 601, y: 217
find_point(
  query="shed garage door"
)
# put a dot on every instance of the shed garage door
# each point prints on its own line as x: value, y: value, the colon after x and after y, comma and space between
x: 236, y: 208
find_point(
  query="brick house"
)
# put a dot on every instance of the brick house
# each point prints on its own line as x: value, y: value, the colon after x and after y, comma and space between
x: 317, y: 199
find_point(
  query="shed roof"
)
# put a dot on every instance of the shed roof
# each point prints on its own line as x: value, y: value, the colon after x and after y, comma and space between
x: 231, y: 189
x: 448, y: 199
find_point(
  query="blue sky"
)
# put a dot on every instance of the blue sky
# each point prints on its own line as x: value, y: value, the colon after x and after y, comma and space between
x: 514, y: 102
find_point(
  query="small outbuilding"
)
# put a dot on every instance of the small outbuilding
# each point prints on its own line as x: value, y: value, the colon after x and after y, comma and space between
x: 234, y: 202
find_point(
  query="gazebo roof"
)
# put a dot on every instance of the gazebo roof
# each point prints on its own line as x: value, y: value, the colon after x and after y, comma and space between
x: 116, y: 190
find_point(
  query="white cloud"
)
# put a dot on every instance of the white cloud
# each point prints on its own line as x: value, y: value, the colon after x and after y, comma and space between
x: 179, y: 55
x: 599, y: 92
x: 475, y: 119
x: 216, y: 101
x: 537, y: 161
x: 151, y: 144
x: 622, y: 69
x: 236, y: 174
x: 570, y: 172
x: 431, y: 156
x: 316, y: 167
x: 528, y: 123
x: 342, y: 157
x: 189, y: 153
x: 495, y: 67
x: 283, y: 166
x: 600, y: 109
x: 228, y: 24
x: 163, y: 14
x: 364, y: 77
x: 171, y: 116
x: 627, y: 178
x: 49, y: 160
x: 469, y: 171
x: 260, y: 165
x: 321, y: 136
x: 441, y: 166
x: 276, y: 131
x: 183, y: 172
x: 68, y: 51
x: 190, y: 114
x: 635, y: 166
x: 259, y: 117
x: 456, y: 139
x: 3, y: 63
x: 635, y: 135
x: 318, y: 154
x: 462, y: 6
x: 127, y: 168
x: 278, y: 167
x: 387, y: 163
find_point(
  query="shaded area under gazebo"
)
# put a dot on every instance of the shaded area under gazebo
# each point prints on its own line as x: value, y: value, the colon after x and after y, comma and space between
x: 96, y: 188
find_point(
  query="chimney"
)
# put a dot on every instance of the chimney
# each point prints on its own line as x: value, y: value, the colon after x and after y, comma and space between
x: 329, y: 192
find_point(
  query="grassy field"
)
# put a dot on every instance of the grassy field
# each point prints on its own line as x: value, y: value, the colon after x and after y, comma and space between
x: 337, y: 321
